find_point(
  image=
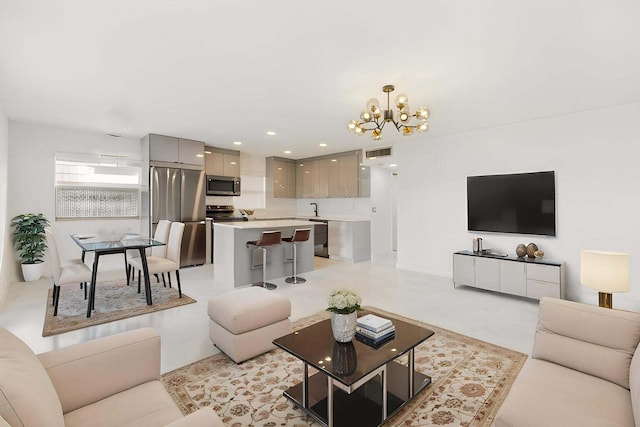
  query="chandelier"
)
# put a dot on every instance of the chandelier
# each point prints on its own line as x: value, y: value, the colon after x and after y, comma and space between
x: 374, y: 119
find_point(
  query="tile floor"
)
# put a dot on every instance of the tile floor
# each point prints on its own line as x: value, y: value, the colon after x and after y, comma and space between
x: 504, y: 320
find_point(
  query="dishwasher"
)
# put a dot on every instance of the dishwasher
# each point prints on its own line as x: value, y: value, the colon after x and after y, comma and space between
x: 320, y: 238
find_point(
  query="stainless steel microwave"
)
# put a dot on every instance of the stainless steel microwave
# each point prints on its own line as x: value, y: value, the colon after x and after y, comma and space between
x: 223, y: 185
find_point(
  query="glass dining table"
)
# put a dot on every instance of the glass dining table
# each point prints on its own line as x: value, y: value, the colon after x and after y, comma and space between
x: 93, y: 243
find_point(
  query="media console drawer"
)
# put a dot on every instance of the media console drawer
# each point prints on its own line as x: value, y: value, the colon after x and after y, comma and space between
x: 544, y: 273
x: 538, y: 289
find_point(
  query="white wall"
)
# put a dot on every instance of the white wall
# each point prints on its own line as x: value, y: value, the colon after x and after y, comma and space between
x: 595, y: 155
x: 5, y: 239
x: 32, y: 176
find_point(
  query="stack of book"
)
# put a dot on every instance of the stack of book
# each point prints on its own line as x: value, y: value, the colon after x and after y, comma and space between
x: 374, y: 330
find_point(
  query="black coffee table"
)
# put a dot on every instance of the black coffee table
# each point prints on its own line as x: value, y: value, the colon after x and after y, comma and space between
x: 356, y: 384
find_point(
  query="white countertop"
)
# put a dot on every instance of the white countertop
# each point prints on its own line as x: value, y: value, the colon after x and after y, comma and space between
x: 265, y: 224
x: 307, y: 218
x: 332, y: 218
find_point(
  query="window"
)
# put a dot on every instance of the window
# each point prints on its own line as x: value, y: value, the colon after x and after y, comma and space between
x: 97, y: 186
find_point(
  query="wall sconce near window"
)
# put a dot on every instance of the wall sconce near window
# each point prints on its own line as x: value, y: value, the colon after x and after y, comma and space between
x: 606, y: 272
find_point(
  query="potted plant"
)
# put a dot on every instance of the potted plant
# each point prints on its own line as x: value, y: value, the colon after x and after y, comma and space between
x: 30, y: 241
x: 344, y: 305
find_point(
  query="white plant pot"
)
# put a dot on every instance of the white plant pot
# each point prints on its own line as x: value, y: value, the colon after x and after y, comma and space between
x: 32, y: 272
x: 344, y: 326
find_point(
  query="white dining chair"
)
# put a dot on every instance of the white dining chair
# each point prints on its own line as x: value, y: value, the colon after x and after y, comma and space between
x: 64, y: 273
x: 168, y: 263
x: 162, y: 235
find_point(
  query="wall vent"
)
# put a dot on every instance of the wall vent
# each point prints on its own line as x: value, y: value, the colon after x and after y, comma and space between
x: 382, y: 152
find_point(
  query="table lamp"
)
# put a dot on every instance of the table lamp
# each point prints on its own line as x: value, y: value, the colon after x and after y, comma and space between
x: 606, y: 272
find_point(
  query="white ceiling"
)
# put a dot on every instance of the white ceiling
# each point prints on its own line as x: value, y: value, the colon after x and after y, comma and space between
x: 227, y: 70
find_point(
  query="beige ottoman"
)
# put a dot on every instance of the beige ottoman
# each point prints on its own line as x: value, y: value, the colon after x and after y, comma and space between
x: 244, y: 322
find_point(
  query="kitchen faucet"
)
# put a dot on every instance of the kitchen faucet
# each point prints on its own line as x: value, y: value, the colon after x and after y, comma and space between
x: 316, y: 208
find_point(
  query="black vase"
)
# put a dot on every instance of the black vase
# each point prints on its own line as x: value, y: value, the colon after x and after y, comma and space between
x: 345, y: 359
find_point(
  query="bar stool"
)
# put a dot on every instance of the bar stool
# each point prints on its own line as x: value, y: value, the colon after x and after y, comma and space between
x: 269, y: 238
x: 299, y: 235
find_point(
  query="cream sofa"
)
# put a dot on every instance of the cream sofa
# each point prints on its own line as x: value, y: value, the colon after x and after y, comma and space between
x: 112, y: 381
x: 584, y: 370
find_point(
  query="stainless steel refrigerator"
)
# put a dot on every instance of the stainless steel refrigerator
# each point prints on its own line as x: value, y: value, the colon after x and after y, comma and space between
x: 179, y: 195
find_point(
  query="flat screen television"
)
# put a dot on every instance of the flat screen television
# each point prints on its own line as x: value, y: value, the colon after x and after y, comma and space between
x: 523, y: 203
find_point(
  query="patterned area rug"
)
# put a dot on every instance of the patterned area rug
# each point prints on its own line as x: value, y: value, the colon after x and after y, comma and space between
x: 470, y: 379
x: 114, y: 301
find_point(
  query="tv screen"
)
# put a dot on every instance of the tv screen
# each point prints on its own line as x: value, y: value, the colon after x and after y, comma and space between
x: 523, y: 203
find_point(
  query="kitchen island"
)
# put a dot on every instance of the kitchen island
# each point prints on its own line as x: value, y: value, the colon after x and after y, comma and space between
x: 235, y: 263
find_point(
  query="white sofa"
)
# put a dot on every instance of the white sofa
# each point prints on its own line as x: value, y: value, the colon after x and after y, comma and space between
x: 112, y: 381
x: 584, y: 370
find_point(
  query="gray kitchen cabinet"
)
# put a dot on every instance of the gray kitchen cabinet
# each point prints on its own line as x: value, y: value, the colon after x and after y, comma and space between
x: 175, y: 150
x: 281, y: 176
x: 163, y: 148
x: 349, y: 241
x: 190, y: 152
x: 305, y: 179
x: 222, y: 162
x: 321, y: 178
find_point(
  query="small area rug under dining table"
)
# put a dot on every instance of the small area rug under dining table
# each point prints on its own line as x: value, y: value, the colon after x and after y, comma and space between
x: 470, y: 379
x: 114, y: 301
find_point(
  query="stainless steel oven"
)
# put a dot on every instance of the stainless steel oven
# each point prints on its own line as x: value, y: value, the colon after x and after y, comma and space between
x: 223, y: 185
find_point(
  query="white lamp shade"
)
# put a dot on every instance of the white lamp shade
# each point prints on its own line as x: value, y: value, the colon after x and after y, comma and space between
x: 606, y: 272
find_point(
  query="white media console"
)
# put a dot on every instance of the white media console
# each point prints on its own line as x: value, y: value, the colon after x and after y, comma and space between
x: 528, y: 277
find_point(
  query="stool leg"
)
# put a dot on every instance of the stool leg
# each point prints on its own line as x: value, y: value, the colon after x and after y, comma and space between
x: 264, y: 283
x: 295, y: 278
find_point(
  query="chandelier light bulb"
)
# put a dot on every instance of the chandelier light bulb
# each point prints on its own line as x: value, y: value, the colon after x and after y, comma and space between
x: 376, y: 135
x: 423, y: 114
x: 373, y: 105
x: 406, y: 131
x: 404, y: 117
x: 352, y: 125
x: 401, y: 101
x: 422, y: 127
x: 359, y: 130
x: 366, y: 116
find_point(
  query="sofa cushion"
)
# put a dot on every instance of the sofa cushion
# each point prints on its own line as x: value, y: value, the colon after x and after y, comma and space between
x: 546, y: 394
x: 580, y: 337
x: 148, y: 404
x: 634, y: 384
x: 27, y: 396
x: 246, y: 309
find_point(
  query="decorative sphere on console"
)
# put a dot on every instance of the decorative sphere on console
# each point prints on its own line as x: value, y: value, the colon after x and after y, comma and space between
x: 521, y: 250
x: 531, y: 249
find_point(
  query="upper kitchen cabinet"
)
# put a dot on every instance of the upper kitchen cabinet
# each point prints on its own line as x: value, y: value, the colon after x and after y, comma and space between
x: 344, y: 176
x: 335, y: 175
x: 281, y: 173
x: 222, y: 162
x: 305, y: 179
x: 175, y: 150
x: 191, y: 152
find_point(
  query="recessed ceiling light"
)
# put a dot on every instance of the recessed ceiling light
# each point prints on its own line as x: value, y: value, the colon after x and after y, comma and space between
x: 237, y: 143
x: 393, y: 165
x: 287, y: 152
x: 271, y: 133
x: 199, y: 155
x: 323, y: 145
x: 207, y: 152
x: 334, y: 160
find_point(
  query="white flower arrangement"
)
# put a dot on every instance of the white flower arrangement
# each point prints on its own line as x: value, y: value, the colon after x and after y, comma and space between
x: 344, y: 301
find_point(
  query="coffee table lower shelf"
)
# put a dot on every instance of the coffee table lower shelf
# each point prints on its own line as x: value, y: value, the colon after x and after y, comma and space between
x: 363, y: 407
